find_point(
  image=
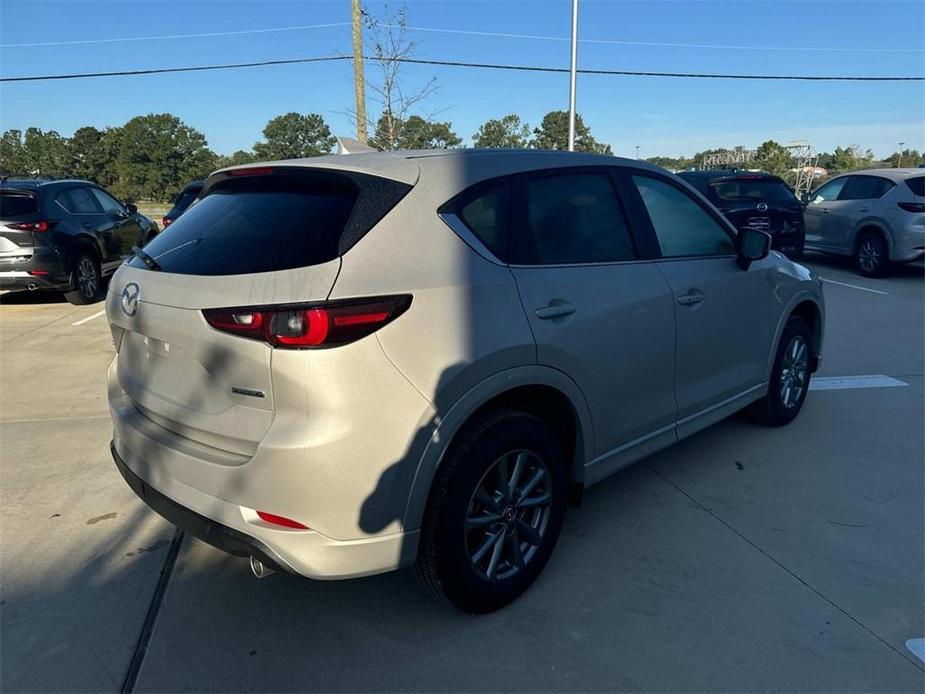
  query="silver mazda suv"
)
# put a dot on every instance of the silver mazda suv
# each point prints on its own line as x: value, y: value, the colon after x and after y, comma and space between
x: 344, y: 365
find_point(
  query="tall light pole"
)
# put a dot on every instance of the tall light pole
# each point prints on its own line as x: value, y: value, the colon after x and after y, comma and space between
x: 573, y: 72
x: 899, y: 164
x: 359, y: 84
x: 637, y: 151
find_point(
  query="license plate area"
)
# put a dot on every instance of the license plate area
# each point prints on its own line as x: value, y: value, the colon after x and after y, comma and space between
x: 759, y: 223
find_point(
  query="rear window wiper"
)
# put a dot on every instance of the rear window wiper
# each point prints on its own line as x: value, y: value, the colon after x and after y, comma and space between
x: 146, y: 258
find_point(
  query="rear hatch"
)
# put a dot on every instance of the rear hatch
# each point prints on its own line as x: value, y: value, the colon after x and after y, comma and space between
x: 758, y: 202
x: 19, y: 217
x: 264, y: 237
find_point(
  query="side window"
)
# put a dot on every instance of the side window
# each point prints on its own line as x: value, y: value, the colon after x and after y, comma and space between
x: 109, y: 204
x: 865, y: 188
x: 830, y: 190
x: 575, y: 218
x: 80, y: 201
x: 682, y: 226
x: 485, y: 213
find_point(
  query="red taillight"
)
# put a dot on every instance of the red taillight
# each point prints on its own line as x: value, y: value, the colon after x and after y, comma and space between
x: 38, y: 273
x: 912, y: 206
x: 165, y: 221
x: 251, y: 171
x: 32, y: 226
x: 281, y: 520
x: 318, y: 326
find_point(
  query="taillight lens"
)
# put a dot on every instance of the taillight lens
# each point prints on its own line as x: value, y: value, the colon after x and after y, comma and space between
x: 165, y: 222
x: 43, y: 225
x: 912, y: 206
x: 309, y: 326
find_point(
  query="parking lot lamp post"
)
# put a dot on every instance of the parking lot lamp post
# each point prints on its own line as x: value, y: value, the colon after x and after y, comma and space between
x: 899, y: 161
x: 572, y: 75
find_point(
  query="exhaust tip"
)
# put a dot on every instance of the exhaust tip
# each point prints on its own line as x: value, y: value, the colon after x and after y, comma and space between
x: 32, y: 286
x: 259, y: 569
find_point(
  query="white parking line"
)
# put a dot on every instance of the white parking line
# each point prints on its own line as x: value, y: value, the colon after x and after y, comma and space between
x: 853, y: 286
x: 846, y: 382
x: 89, y: 318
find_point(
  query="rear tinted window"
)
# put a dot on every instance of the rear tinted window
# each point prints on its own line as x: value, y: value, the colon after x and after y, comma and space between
x: 485, y: 213
x: 917, y: 185
x: 16, y: 205
x: 746, y: 190
x: 865, y: 188
x: 186, y: 197
x: 257, y: 224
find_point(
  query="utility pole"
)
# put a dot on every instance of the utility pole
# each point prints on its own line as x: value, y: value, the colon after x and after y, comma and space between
x: 637, y: 151
x: 899, y: 164
x: 359, y: 83
x: 572, y: 75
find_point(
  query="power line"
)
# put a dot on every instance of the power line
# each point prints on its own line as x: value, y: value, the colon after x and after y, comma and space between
x: 453, y: 63
x: 124, y: 39
x: 467, y: 32
x: 661, y: 44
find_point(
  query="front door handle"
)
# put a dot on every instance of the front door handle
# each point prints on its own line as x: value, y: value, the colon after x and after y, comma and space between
x: 693, y: 297
x: 555, y: 309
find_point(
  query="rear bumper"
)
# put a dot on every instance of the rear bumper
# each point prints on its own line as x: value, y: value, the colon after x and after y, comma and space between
x: 20, y: 279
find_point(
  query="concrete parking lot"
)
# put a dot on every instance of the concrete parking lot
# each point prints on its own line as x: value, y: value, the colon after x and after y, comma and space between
x: 743, y: 559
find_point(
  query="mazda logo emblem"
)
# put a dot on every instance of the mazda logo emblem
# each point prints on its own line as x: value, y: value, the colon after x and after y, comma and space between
x: 130, y: 295
x: 762, y: 207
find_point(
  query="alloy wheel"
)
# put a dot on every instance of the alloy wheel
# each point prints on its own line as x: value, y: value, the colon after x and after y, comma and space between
x: 794, y: 372
x: 869, y: 255
x: 508, y: 515
x: 87, y: 277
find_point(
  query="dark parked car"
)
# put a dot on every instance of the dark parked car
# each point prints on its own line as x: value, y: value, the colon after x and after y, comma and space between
x: 183, y: 200
x: 756, y: 201
x: 65, y: 235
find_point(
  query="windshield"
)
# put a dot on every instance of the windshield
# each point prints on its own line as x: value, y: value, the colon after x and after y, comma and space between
x: 773, y: 192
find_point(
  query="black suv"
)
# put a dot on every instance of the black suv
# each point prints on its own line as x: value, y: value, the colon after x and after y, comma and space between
x: 756, y: 201
x: 183, y: 200
x: 65, y: 235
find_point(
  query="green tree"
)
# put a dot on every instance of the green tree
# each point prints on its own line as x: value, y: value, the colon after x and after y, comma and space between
x: 553, y: 134
x: 851, y: 158
x: 236, y: 159
x: 158, y: 155
x: 417, y: 133
x: 670, y: 163
x: 507, y: 132
x: 92, y: 154
x: 908, y: 157
x: 773, y: 158
x: 12, y: 155
x: 295, y: 135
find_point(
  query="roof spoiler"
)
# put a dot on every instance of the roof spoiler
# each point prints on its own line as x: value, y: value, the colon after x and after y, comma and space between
x: 348, y: 145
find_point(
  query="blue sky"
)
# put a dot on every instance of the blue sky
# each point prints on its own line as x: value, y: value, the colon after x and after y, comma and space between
x: 662, y: 116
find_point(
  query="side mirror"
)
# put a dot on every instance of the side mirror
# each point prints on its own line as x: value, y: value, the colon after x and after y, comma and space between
x: 131, y: 208
x: 753, y: 245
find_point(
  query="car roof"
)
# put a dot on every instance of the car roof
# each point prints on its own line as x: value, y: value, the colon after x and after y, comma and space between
x: 36, y: 183
x: 720, y: 174
x: 458, y: 168
x: 893, y: 174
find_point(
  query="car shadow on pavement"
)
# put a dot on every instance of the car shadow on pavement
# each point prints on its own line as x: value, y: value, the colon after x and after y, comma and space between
x: 38, y: 296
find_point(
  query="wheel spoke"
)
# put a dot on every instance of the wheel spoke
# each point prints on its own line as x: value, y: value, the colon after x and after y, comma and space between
x: 501, y: 468
x: 495, y: 555
x: 519, y: 464
x: 517, y: 557
x: 487, y: 501
x: 528, y: 487
x: 490, y: 540
x: 529, y: 533
x: 534, y: 501
x: 482, y: 521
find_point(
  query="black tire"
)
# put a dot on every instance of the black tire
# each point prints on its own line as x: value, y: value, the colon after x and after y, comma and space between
x: 773, y: 409
x: 871, y: 254
x: 86, y: 279
x: 445, y: 564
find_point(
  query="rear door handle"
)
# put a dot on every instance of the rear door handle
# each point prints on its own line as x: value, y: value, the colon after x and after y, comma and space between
x: 693, y: 297
x: 555, y: 309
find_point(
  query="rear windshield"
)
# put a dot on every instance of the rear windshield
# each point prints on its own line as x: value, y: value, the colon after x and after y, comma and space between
x: 917, y: 185
x: 257, y: 224
x: 16, y: 205
x: 185, y: 198
x: 754, y: 190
